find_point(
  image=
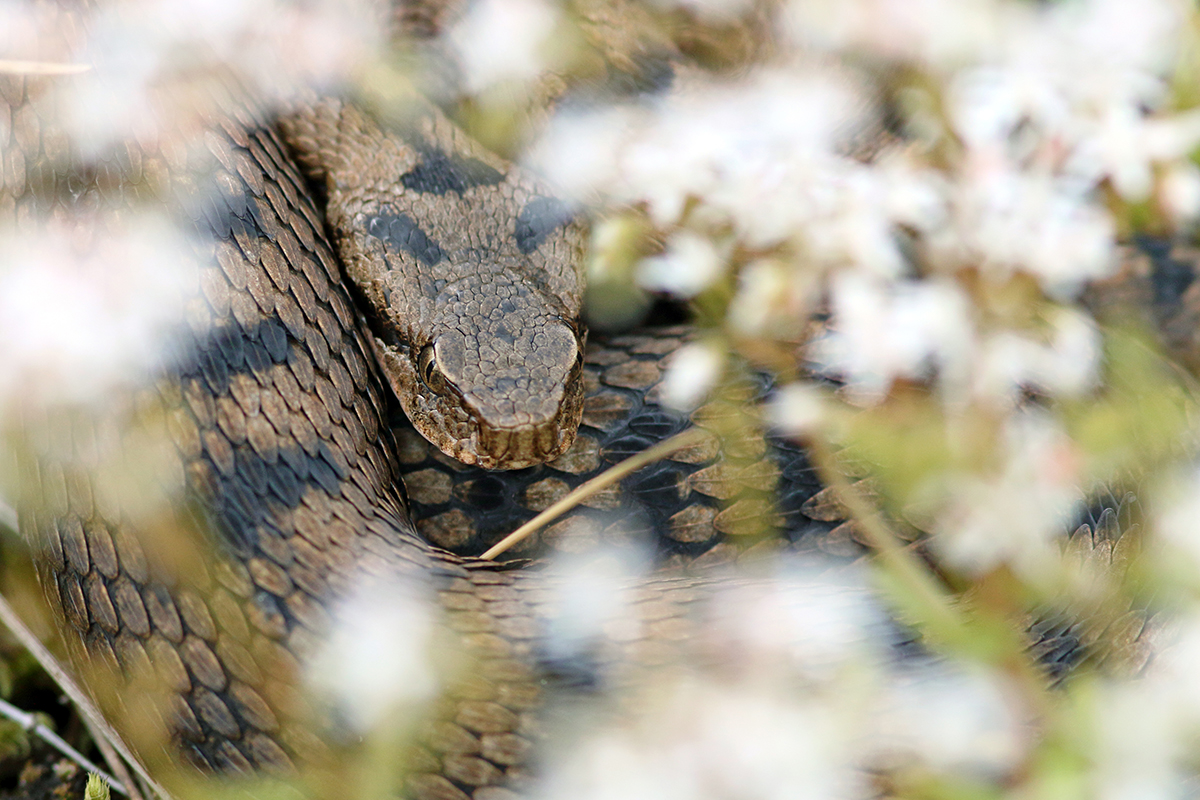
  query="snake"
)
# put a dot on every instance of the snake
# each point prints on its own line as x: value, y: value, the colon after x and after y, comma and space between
x: 281, y: 492
x: 284, y: 476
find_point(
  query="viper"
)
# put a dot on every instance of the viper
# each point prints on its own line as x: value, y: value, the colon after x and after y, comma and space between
x: 211, y: 572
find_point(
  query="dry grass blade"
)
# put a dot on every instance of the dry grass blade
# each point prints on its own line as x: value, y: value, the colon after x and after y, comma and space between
x: 107, y: 739
x: 605, y: 479
x: 110, y: 743
x: 16, y: 67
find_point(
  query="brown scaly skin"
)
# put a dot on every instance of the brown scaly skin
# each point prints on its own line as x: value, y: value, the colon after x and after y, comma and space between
x: 278, y: 463
x: 281, y: 462
x: 275, y: 413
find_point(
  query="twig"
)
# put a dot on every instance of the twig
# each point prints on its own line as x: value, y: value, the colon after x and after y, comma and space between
x: 605, y: 479
x: 29, y: 722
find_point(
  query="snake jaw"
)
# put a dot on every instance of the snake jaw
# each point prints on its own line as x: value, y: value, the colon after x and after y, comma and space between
x: 473, y: 425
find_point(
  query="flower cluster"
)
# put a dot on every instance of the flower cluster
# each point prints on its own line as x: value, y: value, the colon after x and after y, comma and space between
x: 943, y: 177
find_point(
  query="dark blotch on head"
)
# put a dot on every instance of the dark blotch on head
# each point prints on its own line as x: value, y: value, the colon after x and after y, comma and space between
x: 538, y: 219
x: 403, y: 234
x: 439, y: 173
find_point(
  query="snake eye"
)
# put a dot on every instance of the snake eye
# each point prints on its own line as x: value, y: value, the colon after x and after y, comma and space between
x: 427, y: 366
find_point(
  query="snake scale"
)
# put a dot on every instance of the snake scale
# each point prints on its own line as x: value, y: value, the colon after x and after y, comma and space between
x: 284, y: 463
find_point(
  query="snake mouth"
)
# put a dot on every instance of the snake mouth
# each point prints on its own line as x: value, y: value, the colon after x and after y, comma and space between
x: 448, y: 420
x: 499, y: 449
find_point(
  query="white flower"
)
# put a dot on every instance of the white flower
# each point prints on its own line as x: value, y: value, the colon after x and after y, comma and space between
x: 85, y: 309
x: 714, y: 10
x: 577, y: 150
x: 883, y: 332
x: 697, y: 739
x: 774, y: 298
x: 948, y: 718
x: 1012, y: 516
x: 761, y: 153
x: 691, y: 374
x: 1066, y: 365
x: 797, y: 409
x: 1137, y: 743
x: 1180, y: 192
x: 775, y: 710
x: 690, y: 264
x: 941, y: 32
x: 590, y: 596
x: 819, y: 630
x: 158, y: 66
x: 1144, y: 729
x: 1005, y: 220
x: 1177, y: 516
x: 379, y: 659
x: 503, y: 40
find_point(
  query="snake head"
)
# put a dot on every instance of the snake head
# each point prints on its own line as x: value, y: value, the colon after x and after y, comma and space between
x: 496, y: 380
x: 470, y: 272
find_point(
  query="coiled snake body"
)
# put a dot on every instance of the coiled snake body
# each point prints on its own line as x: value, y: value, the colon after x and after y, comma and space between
x: 281, y: 462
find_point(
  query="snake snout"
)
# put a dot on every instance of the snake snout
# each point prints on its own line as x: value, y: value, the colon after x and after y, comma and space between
x: 529, y: 445
x: 507, y: 395
x: 528, y: 410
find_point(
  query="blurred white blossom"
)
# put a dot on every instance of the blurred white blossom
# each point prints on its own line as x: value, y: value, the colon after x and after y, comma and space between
x: 1177, y: 515
x: 933, y: 32
x: 1013, y: 513
x: 1145, y: 728
x: 690, y: 264
x: 697, y: 739
x: 823, y: 629
x: 159, y: 66
x: 884, y: 331
x: 1181, y: 192
x: 379, y: 663
x: 1065, y: 365
x: 797, y: 409
x: 771, y: 300
x: 783, y: 713
x: 1004, y: 220
x: 761, y: 154
x: 591, y: 593
x: 951, y: 717
x: 87, y: 308
x: 693, y: 371
x: 503, y: 40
